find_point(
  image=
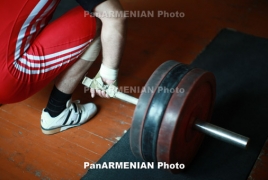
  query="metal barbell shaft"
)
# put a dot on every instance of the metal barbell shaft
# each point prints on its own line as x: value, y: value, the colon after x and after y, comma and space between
x: 127, y: 98
x: 207, y: 128
x: 222, y: 134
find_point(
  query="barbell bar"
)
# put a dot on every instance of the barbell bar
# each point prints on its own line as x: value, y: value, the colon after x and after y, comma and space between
x: 204, y: 127
x: 157, y: 141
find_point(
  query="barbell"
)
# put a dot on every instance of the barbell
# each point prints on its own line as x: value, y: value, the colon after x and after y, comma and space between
x: 172, y: 114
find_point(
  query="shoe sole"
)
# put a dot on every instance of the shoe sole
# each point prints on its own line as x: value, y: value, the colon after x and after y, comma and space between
x: 49, y: 132
x: 63, y: 128
x: 57, y: 130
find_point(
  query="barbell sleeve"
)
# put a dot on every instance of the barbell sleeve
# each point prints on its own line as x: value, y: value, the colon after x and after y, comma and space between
x: 222, y: 134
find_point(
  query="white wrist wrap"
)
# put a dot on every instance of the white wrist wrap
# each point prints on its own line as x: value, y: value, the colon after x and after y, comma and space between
x: 108, y: 73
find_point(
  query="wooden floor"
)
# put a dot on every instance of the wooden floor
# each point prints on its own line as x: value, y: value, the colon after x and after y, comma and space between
x: 25, y: 153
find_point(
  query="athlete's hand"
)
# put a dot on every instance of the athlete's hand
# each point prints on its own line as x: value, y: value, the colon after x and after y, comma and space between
x: 105, y: 76
x: 99, y: 92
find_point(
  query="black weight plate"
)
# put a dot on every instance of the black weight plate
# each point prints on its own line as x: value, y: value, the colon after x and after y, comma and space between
x: 157, y: 109
x: 178, y: 141
x: 143, y: 104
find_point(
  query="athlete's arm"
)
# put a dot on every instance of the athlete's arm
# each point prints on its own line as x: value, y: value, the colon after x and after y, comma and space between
x: 112, y: 33
x: 113, y: 28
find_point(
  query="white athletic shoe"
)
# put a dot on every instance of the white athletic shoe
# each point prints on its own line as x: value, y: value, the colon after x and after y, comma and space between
x: 74, y: 115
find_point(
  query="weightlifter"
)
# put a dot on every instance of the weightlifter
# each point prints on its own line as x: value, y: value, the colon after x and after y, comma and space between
x: 34, y: 52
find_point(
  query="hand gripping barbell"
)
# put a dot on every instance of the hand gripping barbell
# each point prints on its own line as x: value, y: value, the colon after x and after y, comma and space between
x: 174, y: 107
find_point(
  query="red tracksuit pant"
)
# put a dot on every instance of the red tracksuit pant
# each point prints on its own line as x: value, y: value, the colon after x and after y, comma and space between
x: 33, y: 52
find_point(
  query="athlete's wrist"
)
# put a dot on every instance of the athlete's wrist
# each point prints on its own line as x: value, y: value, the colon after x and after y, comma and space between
x: 108, y: 73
